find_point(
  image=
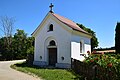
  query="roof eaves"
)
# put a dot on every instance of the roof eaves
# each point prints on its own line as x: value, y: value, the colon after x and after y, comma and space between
x: 82, y: 32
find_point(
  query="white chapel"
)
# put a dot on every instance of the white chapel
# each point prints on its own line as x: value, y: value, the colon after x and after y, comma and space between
x: 58, y: 40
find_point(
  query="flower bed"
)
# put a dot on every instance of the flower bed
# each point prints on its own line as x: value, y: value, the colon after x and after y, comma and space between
x: 108, y: 66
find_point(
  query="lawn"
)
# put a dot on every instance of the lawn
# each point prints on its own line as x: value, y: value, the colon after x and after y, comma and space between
x: 47, y: 73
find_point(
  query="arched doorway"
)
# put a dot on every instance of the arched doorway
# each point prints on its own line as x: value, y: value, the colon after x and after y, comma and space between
x: 52, y: 52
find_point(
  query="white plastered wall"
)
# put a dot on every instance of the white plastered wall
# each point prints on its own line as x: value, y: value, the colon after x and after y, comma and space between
x: 75, y: 46
x: 62, y: 38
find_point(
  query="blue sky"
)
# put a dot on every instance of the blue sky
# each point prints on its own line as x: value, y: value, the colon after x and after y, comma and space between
x: 99, y: 15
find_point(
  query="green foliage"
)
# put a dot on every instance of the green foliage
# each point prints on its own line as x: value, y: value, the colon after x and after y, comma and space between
x: 109, y: 62
x: 117, y: 38
x: 19, y: 42
x: 94, y: 40
x: 30, y: 50
x: 5, y: 51
x: 20, y: 46
x: 102, y: 60
x: 30, y: 45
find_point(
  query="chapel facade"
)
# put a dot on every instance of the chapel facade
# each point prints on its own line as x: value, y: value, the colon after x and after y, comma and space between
x: 58, y: 40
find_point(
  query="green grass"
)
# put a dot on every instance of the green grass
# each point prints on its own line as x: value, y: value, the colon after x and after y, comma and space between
x: 47, y: 73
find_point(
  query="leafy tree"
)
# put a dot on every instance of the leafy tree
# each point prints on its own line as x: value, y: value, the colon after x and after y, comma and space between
x: 20, y: 48
x: 94, y: 40
x: 5, y: 51
x: 117, y: 38
x: 2, y: 49
x: 30, y: 45
x: 23, y: 45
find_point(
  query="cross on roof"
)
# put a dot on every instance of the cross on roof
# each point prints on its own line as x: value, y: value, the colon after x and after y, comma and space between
x: 51, y: 6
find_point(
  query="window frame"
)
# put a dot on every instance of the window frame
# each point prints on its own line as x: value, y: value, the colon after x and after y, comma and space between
x: 50, y: 28
x: 52, y: 43
x: 81, y: 47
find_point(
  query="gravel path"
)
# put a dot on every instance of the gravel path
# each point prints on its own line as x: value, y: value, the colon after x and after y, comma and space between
x: 6, y: 73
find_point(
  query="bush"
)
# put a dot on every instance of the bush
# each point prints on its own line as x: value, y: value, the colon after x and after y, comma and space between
x: 30, y: 50
x: 109, y: 62
x: 30, y: 59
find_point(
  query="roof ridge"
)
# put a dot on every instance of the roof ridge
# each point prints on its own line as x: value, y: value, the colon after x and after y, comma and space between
x: 69, y: 23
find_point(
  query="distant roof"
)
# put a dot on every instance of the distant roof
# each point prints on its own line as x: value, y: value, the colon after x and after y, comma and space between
x: 69, y: 23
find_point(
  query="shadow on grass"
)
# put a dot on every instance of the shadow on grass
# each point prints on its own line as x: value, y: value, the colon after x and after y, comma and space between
x: 77, y: 76
x: 24, y: 64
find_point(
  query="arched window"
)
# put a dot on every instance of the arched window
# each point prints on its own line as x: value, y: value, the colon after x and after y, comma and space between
x: 51, y: 27
x: 81, y: 47
x: 52, y: 43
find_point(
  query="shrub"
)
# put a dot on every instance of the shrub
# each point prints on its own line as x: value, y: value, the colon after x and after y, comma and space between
x: 109, y: 62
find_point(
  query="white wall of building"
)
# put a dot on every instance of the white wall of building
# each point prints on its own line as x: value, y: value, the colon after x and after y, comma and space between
x: 75, y: 47
x: 62, y: 38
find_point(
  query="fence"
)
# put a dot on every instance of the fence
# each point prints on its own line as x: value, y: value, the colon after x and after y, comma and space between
x: 93, y: 71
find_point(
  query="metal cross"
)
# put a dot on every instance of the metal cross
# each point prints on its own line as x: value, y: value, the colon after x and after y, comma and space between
x: 51, y: 6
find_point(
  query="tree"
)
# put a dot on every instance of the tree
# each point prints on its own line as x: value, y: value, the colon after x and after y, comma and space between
x: 19, y: 44
x: 94, y: 40
x: 2, y: 49
x: 22, y: 44
x: 30, y: 45
x: 117, y: 38
x: 7, y: 25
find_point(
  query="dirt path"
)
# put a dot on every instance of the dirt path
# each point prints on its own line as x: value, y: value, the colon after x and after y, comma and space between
x: 6, y: 73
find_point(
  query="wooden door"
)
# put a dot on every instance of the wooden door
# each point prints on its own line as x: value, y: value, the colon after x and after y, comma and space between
x: 52, y: 56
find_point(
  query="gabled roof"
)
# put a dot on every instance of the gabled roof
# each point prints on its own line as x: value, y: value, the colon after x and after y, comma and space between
x: 69, y: 23
x: 65, y: 21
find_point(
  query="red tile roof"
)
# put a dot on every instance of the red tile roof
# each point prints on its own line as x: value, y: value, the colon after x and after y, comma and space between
x: 69, y: 23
